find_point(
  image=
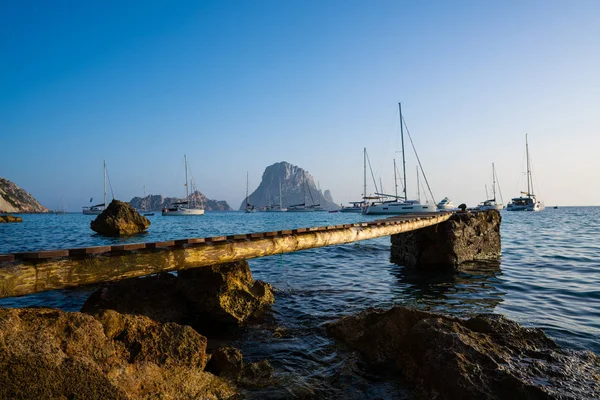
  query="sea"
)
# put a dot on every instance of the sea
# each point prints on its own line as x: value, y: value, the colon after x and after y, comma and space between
x: 548, y: 277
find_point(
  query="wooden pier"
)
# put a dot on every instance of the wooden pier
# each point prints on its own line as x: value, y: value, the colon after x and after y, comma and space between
x: 30, y: 272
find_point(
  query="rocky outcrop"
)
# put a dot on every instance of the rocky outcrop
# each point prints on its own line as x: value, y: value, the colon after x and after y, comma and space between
x: 119, y: 219
x: 10, y: 218
x: 48, y: 353
x: 157, y: 202
x: 228, y: 363
x: 207, y: 298
x: 13, y: 199
x: 466, y: 236
x: 484, y: 357
x: 297, y: 187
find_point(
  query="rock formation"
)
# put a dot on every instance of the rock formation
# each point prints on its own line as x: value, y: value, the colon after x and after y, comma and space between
x: 157, y: 202
x: 13, y: 199
x: 485, y: 357
x: 48, y: 353
x: 10, y: 218
x: 297, y: 186
x: 206, y: 298
x: 468, y: 236
x: 119, y: 219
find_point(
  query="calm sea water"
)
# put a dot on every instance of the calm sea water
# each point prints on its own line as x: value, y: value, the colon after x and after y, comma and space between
x: 548, y: 277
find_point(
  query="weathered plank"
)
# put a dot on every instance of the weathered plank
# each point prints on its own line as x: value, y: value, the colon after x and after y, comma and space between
x: 89, y: 265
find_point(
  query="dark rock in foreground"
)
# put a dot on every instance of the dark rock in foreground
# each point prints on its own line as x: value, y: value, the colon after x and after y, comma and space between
x: 469, y: 236
x: 10, y: 218
x: 205, y: 297
x: 48, y: 353
x: 119, y: 219
x: 485, y: 357
x: 227, y: 362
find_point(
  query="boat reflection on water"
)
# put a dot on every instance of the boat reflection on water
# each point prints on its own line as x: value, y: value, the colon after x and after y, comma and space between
x: 473, y: 288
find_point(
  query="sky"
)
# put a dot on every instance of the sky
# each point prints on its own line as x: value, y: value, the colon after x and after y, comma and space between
x: 240, y: 85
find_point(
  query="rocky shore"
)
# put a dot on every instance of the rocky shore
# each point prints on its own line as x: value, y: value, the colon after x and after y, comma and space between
x: 137, y: 339
x: 484, y: 357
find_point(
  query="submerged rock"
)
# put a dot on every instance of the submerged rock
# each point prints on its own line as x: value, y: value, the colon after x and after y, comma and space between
x: 228, y: 362
x: 10, y: 218
x: 48, y: 353
x: 205, y: 297
x: 119, y: 219
x: 485, y: 357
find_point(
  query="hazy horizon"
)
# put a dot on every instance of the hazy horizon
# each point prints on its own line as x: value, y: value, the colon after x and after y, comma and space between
x: 238, y: 86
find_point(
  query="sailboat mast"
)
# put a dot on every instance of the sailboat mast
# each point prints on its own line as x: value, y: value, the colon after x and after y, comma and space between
x: 418, y: 186
x: 187, y: 195
x: 247, y: 199
x: 493, y: 182
x: 403, y: 157
x: 529, y: 180
x: 365, y: 173
x: 280, y: 200
x: 395, y: 179
x: 104, y: 183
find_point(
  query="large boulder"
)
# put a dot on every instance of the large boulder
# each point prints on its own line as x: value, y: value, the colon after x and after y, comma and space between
x: 207, y: 298
x: 48, y: 353
x: 10, y: 218
x: 119, y: 219
x: 484, y: 357
x: 465, y: 237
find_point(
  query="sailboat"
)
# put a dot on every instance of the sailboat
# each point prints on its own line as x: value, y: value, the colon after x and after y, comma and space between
x: 357, y: 206
x: 144, y: 210
x: 276, y: 207
x: 529, y: 202
x: 98, y: 208
x: 491, y: 204
x: 186, y: 207
x: 302, y: 207
x: 249, y: 207
x: 400, y: 204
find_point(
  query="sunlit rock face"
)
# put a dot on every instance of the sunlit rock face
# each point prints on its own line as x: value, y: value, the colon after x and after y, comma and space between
x: 297, y: 187
x: 208, y: 298
x: 484, y: 357
x: 13, y: 199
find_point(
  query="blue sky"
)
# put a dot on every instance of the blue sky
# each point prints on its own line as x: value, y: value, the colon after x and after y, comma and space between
x: 240, y: 85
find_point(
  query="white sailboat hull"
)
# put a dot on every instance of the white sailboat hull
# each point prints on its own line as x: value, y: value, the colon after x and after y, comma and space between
x: 168, y: 212
x: 92, y: 212
x: 396, y: 208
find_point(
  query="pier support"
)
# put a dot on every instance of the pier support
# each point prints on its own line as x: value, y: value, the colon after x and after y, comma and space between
x: 466, y: 236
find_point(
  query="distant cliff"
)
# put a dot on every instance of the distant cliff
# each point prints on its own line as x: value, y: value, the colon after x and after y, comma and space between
x: 293, y: 189
x: 157, y: 202
x: 13, y: 199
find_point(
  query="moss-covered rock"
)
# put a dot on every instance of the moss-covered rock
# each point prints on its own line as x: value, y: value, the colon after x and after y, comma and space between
x: 10, y: 218
x: 119, y: 219
x: 47, y: 353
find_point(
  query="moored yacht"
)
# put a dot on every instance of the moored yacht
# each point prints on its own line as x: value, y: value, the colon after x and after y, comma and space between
x: 529, y: 201
x: 400, y: 204
x: 491, y: 204
x: 186, y: 207
x: 446, y: 204
x: 98, y: 208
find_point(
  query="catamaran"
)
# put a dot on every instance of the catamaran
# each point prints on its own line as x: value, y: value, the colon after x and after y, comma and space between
x: 529, y: 202
x: 98, y: 208
x: 186, y: 207
x: 399, y: 204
